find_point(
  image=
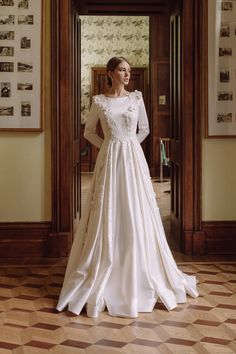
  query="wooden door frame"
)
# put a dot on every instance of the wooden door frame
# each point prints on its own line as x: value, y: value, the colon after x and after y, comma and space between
x: 60, y: 239
x: 192, y: 52
x: 193, y: 239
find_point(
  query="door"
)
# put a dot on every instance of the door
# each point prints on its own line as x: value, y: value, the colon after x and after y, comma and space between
x: 76, y: 92
x: 186, y: 124
x: 65, y: 126
x: 175, y: 144
x: 185, y: 151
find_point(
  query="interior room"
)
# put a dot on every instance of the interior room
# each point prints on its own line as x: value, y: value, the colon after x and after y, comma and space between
x: 53, y: 55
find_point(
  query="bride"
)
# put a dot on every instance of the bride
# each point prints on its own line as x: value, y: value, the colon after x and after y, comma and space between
x: 120, y: 258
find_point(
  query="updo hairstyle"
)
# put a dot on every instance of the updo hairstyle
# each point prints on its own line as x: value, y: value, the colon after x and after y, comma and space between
x: 112, y: 64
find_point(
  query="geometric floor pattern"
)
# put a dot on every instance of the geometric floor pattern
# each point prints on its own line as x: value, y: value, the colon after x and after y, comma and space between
x: 29, y: 322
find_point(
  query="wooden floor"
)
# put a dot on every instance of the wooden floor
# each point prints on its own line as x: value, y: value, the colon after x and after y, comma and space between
x: 29, y: 322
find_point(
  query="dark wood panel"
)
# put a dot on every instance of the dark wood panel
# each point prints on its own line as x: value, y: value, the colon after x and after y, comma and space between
x: 76, y: 73
x: 62, y: 134
x: 163, y: 84
x: 176, y: 136
x: 162, y: 34
x: 187, y: 111
x: 122, y: 7
x: 164, y: 124
x: 220, y: 237
x: 24, y: 239
x: 159, y: 86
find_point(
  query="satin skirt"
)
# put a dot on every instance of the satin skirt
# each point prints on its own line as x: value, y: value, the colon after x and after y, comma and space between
x: 120, y: 257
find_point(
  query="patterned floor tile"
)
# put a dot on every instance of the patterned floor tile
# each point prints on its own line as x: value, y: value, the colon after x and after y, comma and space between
x: 29, y: 322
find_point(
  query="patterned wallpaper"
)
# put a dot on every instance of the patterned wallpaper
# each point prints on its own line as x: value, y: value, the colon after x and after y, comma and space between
x: 103, y: 37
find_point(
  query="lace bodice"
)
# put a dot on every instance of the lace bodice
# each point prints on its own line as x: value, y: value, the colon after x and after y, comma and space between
x: 119, y: 118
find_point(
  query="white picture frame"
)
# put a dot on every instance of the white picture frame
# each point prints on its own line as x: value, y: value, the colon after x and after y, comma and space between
x: 21, y: 65
x: 221, y: 73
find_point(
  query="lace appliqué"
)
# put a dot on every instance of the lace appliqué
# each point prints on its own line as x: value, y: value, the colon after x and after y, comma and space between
x: 101, y: 101
x: 132, y: 108
x: 129, y: 113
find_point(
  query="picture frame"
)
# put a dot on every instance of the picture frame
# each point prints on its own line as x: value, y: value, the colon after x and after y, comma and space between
x: 220, y: 110
x: 21, y: 65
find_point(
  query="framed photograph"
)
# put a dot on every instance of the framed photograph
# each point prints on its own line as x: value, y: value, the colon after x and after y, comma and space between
x: 21, y: 69
x: 221, y: 69
x: 7, y: 35
x: 5, y: 89
x: 6, y: 2
x: 226, y: 5
x: 23, y: 4
x: 225, y: 30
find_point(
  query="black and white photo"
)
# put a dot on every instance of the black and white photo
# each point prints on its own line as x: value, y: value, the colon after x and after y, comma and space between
x: 6, y: 111
x: 225, y: 96
x: 225, y: 30
x: 25, y: 19
x: 25, y: 109
x: 24, y: 86
x: 5, y: 89
x: 7, y: 19
x: 23, y: 4
x: 24, y: 67
x: 6, y: 2
x: 224, y: 118
x: 225, y: 52
x: 7, y: 35
x: 25, y: 42
x: 6, y: 66
x: 226, y: 5
x: 224, y: 75
x: 6, y: 51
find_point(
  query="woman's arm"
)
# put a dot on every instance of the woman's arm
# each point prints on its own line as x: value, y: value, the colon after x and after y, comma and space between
x: 90, y: 127
x: 143, y: 125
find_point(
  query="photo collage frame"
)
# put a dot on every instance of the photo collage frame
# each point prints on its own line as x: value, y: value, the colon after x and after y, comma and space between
x: 221, y: 121
x: 20, y: 65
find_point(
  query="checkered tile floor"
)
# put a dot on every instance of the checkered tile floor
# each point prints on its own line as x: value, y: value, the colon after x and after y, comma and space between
x: 29, y: 322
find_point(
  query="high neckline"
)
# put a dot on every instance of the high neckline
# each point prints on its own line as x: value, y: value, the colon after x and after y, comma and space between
x: 117, y: 96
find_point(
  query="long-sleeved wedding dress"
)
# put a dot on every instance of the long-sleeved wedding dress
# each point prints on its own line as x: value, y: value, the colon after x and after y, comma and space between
x: 120, y: 257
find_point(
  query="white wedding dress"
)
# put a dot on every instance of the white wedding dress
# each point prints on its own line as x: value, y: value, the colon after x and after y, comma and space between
x: 120, y: 257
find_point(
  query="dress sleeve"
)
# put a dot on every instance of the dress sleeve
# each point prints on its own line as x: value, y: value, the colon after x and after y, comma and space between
x: 143, y: 125
x: 90, y: 127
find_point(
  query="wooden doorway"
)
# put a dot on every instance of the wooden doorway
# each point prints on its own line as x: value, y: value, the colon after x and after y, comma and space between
x: 191, y: 238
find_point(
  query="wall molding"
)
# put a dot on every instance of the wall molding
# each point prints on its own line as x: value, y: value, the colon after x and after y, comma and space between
x: 24, y: 239
x: 220, y: 237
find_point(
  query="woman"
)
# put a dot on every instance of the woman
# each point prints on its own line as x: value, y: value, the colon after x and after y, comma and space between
x: 120, y: 257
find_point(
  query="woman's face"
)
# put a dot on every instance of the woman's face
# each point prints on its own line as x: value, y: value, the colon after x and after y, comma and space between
x: 121, y: 74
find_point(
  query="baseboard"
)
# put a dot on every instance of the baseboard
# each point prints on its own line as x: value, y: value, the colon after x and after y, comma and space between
x: 59, y: 244
x: 220, y: 237
x: 24, y: 239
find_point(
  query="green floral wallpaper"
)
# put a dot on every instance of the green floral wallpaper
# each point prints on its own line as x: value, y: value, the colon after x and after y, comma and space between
x: 103, y: 37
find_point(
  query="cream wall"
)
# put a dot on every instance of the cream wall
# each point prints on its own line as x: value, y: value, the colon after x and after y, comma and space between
x: 218, y: 179
x: 218, y: 155
x: 25, y: 181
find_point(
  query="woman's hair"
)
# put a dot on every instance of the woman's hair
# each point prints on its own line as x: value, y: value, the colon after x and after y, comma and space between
x: 112, y: 64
